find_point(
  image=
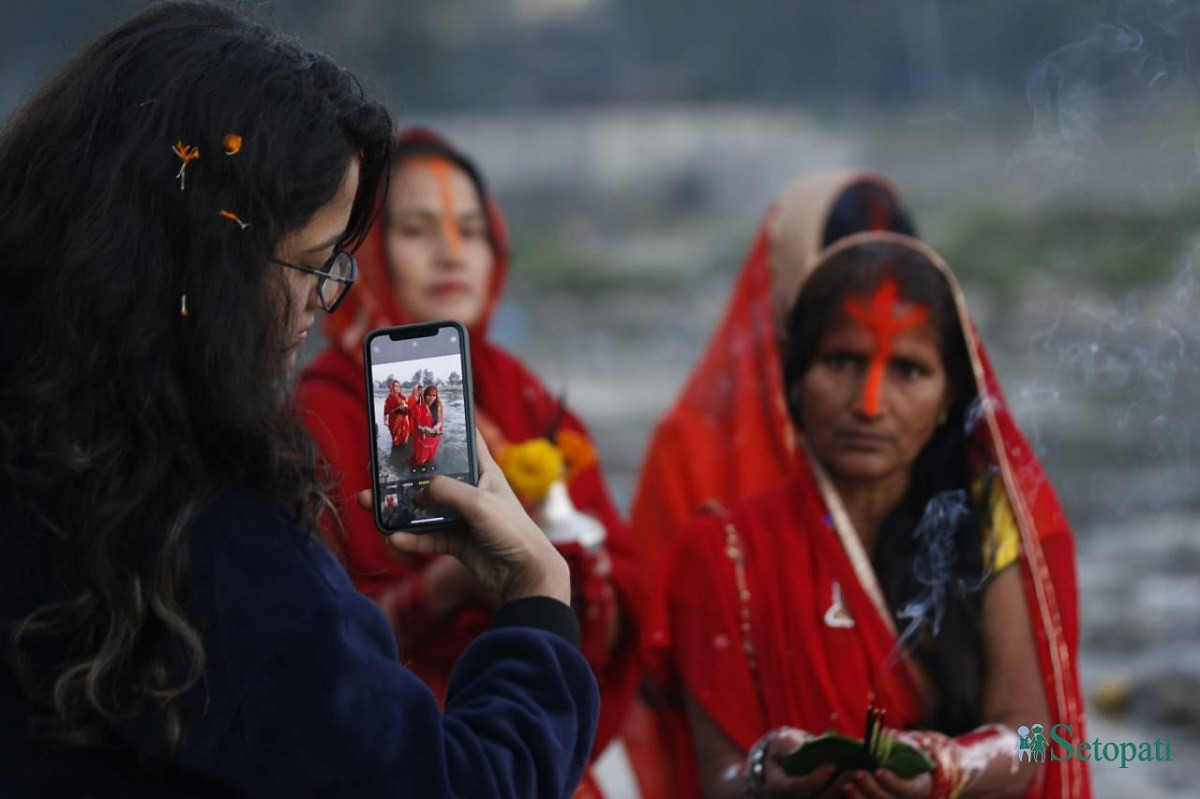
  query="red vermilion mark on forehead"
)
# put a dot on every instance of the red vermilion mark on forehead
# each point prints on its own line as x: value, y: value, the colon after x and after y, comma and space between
x: 443, y: 171
x: 878, y: 315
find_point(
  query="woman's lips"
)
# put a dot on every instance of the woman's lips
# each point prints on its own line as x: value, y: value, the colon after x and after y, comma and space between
x: 860, y: 440
x: 449, y: 288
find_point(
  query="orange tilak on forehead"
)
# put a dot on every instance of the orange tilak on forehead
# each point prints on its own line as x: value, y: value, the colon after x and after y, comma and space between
x: 443, y: 172
x: 878, y: 315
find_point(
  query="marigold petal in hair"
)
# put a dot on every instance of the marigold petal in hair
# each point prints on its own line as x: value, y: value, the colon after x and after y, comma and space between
x: 232, y: 143
x: 187, y: 153
x: 231, y: 216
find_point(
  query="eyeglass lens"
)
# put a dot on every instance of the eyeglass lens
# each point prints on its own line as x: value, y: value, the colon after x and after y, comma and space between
x: 341, y: 267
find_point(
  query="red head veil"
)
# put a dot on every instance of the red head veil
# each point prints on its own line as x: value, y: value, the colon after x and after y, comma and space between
x: 714, y: 443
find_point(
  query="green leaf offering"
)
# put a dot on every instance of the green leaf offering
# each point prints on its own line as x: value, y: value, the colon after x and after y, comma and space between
x: 847, y: 753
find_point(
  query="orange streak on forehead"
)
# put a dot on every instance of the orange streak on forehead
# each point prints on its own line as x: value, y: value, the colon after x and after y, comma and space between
x: 443, y: 172
x: 879, y: 317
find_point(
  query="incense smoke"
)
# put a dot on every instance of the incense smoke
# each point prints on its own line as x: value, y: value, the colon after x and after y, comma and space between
x: 937, y: 552
x: 933, y: 565
x: 1109, y: 79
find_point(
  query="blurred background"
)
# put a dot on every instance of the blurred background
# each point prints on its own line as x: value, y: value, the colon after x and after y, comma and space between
x: 1050, y: 150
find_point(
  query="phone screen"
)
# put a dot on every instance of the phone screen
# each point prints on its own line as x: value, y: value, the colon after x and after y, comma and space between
x: 419, y: 398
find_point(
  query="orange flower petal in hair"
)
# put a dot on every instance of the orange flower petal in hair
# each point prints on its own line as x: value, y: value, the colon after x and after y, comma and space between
x: 187, y: 153
x: 232, y: 217
x: 232, y: 143
x: 879, y: 316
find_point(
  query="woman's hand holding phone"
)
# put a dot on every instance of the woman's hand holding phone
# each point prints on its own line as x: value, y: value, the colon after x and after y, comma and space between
x: 428, y: 434
x: 502, y: 546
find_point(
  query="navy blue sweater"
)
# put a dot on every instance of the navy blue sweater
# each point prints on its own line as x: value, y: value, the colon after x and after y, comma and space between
x: 304, y: 696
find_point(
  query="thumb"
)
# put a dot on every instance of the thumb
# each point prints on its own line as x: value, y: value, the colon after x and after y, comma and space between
x: 365, y: 499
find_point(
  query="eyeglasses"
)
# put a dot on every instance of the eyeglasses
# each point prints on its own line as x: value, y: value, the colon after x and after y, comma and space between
x: 334, y: 277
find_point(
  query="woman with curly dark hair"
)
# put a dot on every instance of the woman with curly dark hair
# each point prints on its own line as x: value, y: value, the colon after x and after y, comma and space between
x: 178, y: 200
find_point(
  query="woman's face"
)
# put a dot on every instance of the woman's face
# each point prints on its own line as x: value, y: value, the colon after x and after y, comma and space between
x: 872, y: 398
x: 437, y: 246
x: 312, y: 245
x: 395, y: 387
x: 430, y: 397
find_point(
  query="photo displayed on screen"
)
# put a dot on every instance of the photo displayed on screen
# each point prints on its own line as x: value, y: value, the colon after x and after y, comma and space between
x: 421, y: 422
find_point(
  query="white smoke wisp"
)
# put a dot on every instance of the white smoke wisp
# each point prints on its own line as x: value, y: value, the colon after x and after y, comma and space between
x: 1127, y: 69
x: 1073, y: 90
x: 1137, y: 359
x: 933, y: 566
x: 974, y: 412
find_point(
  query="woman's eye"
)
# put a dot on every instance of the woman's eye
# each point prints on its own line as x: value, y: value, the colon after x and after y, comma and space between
x: 909, y: 370
x: 410, y: 226
x: 840, y: 361
x: 472, y: 230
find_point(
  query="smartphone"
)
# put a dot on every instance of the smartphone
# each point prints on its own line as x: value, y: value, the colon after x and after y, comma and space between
x: 419, y: 401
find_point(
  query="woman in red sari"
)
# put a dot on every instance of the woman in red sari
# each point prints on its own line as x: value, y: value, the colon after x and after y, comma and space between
x: 427, y: 427
x: 720, y: 440
x: 396, y: 415
x: 440, y: 251
x: 717, y: 440
x: 916, y: 557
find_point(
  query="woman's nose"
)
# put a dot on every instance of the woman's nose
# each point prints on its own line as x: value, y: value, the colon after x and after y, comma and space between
x: 450, y: 245
x: 869, y: 390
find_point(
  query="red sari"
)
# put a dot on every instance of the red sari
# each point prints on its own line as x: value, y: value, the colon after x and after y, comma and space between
x: 396, y: 418
x: 511, y: 405
x: 744, y: 627
x: 425, y: 444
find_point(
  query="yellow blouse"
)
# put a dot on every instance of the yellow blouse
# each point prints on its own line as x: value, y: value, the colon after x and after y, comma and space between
x: 1001, y: 538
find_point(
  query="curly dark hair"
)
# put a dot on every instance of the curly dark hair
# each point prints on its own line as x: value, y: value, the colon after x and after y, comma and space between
x: 120, y: 418
x: 955, y: 658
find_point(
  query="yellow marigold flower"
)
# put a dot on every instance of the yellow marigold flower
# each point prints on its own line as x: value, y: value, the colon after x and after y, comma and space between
x: 576, y: 450
x: 531, y: 468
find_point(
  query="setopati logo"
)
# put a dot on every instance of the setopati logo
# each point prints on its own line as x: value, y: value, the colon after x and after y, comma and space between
x: 1034, y: 745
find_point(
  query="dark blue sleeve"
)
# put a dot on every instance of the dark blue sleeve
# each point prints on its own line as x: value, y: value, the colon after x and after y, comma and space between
x: 334, y: 714
x: 304, y: 696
